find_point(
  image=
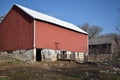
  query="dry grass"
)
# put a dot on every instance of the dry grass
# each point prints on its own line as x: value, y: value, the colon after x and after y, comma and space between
x: 59, y: 70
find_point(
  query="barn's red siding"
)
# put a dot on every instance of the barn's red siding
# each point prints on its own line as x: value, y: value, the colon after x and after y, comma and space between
x: 52, y: 36
x: 16, y: 31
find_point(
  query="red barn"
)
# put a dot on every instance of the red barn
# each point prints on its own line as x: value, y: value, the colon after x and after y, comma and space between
x: 26, y: 29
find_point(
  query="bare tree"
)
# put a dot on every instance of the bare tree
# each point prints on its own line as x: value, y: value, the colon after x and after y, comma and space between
x: 85, y: 27
x: 116, y: 48
x: 93, y: 30
x: 117, y: 27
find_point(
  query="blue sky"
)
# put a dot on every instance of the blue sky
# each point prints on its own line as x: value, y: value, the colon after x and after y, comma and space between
x: 103, y: 13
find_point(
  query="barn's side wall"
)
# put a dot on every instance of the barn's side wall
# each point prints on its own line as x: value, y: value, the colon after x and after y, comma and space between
x: 55, y: 37
x: 16, y: 31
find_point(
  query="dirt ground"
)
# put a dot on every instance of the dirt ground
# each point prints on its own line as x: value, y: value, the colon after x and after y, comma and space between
x: 58, y: 70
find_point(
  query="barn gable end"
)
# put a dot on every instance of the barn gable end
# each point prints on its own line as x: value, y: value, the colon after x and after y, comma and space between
x: 16, y: 30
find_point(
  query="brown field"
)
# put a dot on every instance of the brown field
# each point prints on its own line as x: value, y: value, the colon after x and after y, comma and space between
x: 59, y: 70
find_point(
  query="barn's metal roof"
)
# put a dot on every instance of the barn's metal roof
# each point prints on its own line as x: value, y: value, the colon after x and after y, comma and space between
x: 47, y: 18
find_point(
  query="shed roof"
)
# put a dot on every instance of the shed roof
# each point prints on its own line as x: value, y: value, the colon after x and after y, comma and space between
x: 101, y: 40
x: 47, y: 18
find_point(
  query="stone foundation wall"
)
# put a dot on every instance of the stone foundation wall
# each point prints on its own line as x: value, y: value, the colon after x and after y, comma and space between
x: 49, y: 54
x: 73, y: 56
x: 23, y: 55
x: 79, y: 57
x: 46, y: 55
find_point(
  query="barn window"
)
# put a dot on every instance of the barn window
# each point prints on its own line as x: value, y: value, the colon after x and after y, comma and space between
x: 9, y: 52
x: 64, y: 55
x: 77, y: 54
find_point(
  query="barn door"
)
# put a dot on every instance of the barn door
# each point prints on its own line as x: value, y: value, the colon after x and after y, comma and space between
x: 38, y: 55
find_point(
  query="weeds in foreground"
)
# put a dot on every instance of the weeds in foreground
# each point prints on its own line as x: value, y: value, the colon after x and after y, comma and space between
x: 4, y: 78
x: 23, y: 75
x: 15, y: 70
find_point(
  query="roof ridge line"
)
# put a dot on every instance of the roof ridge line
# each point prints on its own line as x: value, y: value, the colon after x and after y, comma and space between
x: 47, y: 18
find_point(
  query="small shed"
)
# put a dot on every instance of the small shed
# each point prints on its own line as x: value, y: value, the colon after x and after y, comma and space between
x: 102, y: 48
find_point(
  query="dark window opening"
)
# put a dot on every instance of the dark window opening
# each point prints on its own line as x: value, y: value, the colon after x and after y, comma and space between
x: 9, y: 52
x: 64, y: 56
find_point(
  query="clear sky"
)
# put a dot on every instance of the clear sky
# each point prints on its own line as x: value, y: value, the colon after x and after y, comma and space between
x: 103, y: 13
